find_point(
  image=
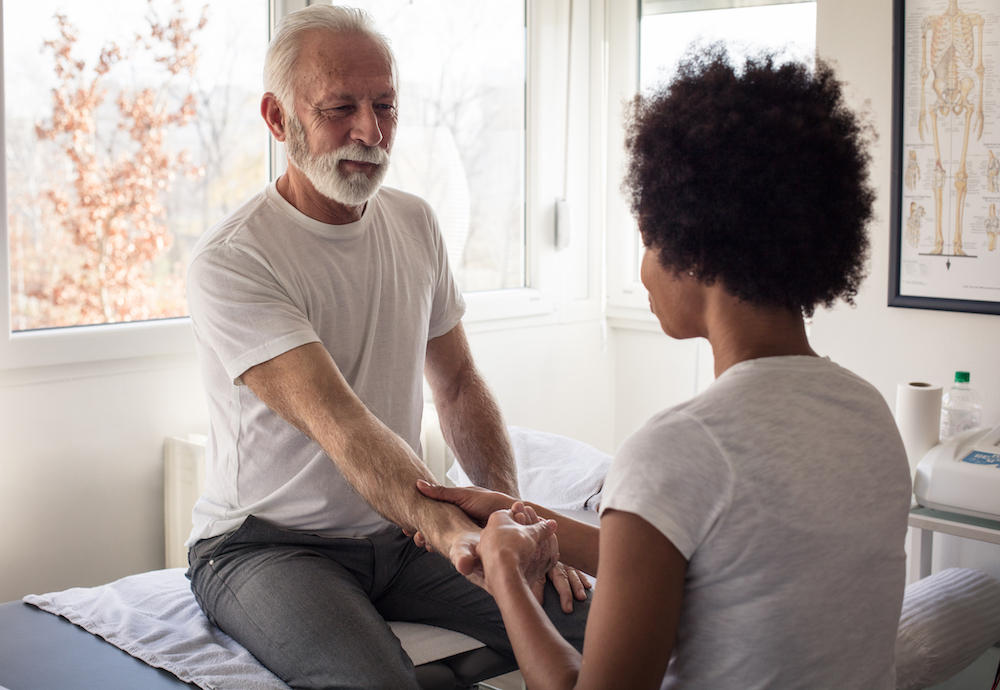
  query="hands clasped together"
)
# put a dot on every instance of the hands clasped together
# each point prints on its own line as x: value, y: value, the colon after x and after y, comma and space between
x: 514, y: 539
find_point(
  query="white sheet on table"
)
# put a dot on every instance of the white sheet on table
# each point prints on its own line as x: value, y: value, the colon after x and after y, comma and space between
x: 154, y: 617
x: 554, y: 471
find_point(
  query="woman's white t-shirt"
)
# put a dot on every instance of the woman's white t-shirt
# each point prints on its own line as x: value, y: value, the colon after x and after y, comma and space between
x: 786, y: 486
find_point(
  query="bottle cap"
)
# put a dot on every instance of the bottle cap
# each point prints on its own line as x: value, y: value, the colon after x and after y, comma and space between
x: 961, y: 377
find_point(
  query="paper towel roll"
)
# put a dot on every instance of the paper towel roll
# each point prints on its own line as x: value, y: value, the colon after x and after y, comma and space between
x: 918, y: 416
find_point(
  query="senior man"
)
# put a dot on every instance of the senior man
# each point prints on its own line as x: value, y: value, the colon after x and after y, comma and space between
x: 317, y: 306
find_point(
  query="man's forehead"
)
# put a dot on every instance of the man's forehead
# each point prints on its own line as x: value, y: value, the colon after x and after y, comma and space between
x: 344, y: 55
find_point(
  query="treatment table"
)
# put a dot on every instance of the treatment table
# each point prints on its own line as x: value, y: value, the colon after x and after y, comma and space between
x: 41, y: 651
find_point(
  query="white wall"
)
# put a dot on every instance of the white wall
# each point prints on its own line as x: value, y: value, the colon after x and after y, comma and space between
x: 81, y: 457
x: 555, y: 378
x: 81, y: 469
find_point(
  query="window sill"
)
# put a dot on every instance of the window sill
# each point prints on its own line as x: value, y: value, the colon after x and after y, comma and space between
x: 500, y: 309
x: 492, y: 310
x: 60, y: 346
x: 628, y: 319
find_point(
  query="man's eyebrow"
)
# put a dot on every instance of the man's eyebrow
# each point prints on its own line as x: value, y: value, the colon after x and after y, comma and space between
x: 350, y: 98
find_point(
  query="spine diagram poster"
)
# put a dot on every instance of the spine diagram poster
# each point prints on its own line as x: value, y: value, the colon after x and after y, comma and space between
x: 948, y: 148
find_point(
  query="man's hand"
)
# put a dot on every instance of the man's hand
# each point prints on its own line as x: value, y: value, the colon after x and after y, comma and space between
x: 461, y: 550
x: 479, y: 504
x: 569, y: 582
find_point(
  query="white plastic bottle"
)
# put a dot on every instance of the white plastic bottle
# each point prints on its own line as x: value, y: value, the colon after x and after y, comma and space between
x: 961, y: 408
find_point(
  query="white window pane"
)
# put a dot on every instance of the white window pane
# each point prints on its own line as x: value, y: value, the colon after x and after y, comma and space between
x: 664, y: 38
x: 461, y: 138
x: 114, y: 170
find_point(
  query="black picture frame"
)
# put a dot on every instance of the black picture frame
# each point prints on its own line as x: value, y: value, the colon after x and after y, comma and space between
x: 901, y: 51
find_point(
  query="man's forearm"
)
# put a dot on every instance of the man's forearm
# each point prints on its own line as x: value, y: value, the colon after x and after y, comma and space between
x: 306, y: 389
x: 470, y: 417
x: 384, y: 470
x: 474, y: 429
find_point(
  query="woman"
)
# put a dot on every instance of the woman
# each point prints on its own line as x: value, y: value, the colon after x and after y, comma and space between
x: 753, y: 536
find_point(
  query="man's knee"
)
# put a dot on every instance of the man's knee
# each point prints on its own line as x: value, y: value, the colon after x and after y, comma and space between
x: 570, y: 625
x: 369, y: 672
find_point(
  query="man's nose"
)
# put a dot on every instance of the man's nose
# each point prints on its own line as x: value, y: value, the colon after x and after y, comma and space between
x: 366, y: 127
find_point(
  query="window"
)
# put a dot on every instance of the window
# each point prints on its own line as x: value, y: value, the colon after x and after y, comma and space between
x: 669, y: 27
x: 666, y: 30
x: 121, y: 151
x: 461, y: 138
x: 464, y: 107
x: 131, y: 126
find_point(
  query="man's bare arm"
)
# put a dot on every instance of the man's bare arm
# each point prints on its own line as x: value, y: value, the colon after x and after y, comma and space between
x: 470, y: 418
x: 474, y: 429
x: 305, y: 387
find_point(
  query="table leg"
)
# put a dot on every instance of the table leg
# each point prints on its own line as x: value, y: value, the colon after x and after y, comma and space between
x: 921, y: 550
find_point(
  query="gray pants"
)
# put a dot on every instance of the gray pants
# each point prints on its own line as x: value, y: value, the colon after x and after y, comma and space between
x: 313, y: 609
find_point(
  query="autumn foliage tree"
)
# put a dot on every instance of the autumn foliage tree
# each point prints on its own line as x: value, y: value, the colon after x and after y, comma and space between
x: 105, y: 199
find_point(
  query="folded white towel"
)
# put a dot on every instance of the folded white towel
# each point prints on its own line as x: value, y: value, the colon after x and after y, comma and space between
x: 554, y: 471
x: 948, y: 621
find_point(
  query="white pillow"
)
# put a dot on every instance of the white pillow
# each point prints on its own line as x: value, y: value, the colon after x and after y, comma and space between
x: 948, y: 621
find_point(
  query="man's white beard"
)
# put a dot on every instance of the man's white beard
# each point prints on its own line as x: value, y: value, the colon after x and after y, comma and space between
x: 352, y: 189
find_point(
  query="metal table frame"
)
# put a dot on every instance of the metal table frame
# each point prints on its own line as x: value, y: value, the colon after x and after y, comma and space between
x: 924, y: 522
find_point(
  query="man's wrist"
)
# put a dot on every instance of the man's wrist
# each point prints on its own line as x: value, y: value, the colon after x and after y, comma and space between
x: 446, y: 524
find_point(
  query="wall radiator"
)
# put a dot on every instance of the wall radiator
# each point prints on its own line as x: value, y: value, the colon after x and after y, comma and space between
x: 184, y: 479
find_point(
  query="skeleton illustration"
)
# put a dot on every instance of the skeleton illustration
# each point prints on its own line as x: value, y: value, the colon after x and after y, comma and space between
x: 992, y: 224
x: 913, y: 224
x: 912, y: 171
x: 956, y: 41
x: 992, y: 170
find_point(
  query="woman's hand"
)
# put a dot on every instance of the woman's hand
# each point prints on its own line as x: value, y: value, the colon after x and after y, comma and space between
x: 516, y: 539
x: 477, y: 503
x: 571, y: 584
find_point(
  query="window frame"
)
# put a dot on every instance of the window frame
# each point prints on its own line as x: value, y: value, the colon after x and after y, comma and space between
x: 544, y: 299
x: 628, y: 301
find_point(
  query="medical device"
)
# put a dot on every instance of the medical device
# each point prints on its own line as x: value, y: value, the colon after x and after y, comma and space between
x: 962, y: 475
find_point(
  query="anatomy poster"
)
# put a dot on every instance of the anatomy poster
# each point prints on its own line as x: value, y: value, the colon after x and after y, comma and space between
x: 949, y: 119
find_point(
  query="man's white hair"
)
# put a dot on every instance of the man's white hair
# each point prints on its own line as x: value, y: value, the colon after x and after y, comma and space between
x: 283, y: 51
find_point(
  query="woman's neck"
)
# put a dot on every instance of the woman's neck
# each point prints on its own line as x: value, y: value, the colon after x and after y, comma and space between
x: 739, y: 331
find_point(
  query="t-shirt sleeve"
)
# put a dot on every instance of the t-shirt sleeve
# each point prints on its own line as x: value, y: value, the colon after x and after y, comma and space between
x: 240, y: 310
x: 671, y: 474
x: 448, y: 305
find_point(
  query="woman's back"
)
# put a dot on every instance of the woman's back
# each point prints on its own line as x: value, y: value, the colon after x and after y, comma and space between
x: 786, y: 486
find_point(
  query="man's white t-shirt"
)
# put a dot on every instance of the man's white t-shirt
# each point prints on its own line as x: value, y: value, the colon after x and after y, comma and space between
x: 786, y: 486
x: 268, y: 279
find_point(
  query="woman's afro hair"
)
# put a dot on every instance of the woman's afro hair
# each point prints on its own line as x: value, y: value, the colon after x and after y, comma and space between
x: 755, y: 177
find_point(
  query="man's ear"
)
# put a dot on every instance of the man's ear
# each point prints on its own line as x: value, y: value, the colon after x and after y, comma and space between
x: 274, y: 116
